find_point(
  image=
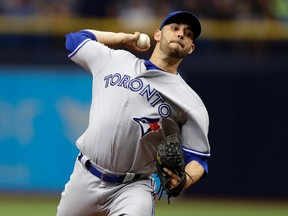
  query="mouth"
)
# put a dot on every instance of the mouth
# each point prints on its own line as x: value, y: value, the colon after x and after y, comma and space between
x: 178, y: 42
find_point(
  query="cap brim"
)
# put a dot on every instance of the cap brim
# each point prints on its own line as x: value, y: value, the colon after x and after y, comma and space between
x: 184, y: 17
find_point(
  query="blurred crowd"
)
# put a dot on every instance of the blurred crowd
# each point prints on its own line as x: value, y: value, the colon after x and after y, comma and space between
x: 218, y: 9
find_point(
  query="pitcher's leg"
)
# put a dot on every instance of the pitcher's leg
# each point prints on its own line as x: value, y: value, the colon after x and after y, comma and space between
x: 81, y: 194
x: 137, y: 198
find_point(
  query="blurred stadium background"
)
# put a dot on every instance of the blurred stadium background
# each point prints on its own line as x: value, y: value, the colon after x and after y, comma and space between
x: 239, y: 69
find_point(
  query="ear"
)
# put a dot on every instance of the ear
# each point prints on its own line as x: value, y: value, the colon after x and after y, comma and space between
x: 157, y: 35
x: 192, y: 48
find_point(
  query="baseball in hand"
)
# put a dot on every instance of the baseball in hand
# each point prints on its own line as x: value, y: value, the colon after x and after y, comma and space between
x: 143, y: 41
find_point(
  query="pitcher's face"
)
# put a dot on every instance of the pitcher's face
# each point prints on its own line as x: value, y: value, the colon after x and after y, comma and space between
x: 176, y: 40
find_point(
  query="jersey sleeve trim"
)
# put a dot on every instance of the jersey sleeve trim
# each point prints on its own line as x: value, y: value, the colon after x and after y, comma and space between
x: 205, y: 154
x: 76, y: 40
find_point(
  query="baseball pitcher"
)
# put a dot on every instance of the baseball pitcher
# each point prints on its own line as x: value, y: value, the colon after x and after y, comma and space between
x: 143, y: 119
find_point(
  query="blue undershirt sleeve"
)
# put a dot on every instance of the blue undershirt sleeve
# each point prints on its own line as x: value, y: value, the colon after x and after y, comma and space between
x: 203, y: 161
x: 74, y: 41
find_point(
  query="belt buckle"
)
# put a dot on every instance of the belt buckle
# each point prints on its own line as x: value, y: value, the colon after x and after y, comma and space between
x: 112, y: 178
x: 102, y: 177
x: 103, y: 174
x: 108, y: 177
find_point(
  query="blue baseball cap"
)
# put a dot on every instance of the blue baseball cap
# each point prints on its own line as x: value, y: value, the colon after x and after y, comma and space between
x: 186, y: 18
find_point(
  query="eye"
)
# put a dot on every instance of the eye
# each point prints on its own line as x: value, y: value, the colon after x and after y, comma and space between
x: 174, y: 27
x: 189, y: 34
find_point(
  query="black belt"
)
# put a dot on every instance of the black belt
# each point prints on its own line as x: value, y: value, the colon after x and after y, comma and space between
x: 108, y: 177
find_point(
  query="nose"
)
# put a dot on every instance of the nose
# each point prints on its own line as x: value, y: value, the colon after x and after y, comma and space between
x: 180, y: 35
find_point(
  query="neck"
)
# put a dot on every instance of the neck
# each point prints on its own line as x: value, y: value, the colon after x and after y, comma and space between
x: 164, y: 62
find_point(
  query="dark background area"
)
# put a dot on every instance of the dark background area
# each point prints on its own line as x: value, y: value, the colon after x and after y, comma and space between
x: 246, y: 96
x: 244, y: 87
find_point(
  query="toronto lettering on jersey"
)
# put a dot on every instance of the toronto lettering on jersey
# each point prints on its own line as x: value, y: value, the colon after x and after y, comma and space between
x: 145, y: 90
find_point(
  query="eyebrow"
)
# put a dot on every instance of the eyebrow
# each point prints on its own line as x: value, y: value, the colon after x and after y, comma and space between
x: 178, y: 23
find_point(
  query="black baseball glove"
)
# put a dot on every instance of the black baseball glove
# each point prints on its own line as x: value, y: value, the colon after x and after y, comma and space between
x: 170, y: 156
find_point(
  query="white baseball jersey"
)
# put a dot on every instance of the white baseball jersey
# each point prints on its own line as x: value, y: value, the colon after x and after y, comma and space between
x: 128, y: 105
